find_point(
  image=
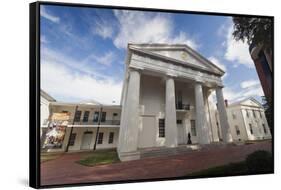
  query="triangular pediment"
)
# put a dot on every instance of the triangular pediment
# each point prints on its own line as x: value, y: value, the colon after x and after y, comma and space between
x: 180, y: 53
x: 250, y: 102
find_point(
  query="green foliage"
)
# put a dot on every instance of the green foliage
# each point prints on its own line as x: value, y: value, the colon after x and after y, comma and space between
x: 238, y: 168
x: 49, y: 156
x: 100, y: 157
x: 260, y: 162
x: 254, y: 30
x: 256, y: 163
x: 267, y: 105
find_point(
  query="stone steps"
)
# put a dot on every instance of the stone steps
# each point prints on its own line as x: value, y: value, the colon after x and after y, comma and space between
x: 163, y: 151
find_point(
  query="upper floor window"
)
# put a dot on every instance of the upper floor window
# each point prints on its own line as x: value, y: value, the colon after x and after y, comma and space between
x: 86, y: 116
x: 254, y: 113
x: 161, y: 123
x: 260, y: 115
x: 103, y: 116
x: 96, y: 116
x: 77, y: 115
x: 251, y: 128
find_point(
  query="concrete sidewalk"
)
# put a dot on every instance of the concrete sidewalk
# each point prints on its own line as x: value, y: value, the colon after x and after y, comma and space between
x: 64, y: 170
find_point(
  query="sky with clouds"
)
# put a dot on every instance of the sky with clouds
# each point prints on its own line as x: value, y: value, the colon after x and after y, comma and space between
x: 83, y: 50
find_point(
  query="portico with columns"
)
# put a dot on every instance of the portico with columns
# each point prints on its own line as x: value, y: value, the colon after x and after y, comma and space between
x: 165, y: 99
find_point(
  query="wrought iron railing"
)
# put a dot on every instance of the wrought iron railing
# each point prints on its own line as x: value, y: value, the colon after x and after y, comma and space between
x: 89, y: 122
x: 181, y: 106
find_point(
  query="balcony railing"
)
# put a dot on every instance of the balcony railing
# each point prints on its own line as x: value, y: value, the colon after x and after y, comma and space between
x: 89, y: 122
x: 181, y: 106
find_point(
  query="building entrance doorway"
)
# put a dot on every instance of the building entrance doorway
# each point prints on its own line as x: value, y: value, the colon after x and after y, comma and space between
x: 86, y: 140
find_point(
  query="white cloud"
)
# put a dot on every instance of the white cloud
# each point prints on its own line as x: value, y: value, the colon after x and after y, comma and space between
x: 59, y: 81
x: 237, y: 51
x: 105, y: 59
x: 139, y: 27
x: 103, y: 29
x: 234, y: 95
x: 44, y: 13
x: 43, y: 39
x: 249, y: 83
x: 85, y: 66
x: 219, y: 64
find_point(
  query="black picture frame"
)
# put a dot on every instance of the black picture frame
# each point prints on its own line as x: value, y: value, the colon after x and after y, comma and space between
x: 34, y: 88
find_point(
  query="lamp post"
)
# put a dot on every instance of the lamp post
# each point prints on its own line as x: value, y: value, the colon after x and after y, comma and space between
x: 98, y: 129
x: 67, y: 146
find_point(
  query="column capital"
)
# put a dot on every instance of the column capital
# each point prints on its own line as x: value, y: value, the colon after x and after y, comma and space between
x: 171, y: 75
x: 218, y: 86
x: 137, y: 69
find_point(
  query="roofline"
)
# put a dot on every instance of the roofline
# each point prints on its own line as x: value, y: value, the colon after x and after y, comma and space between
x: 249, y: 98
x: 47, y: 96
x: 177, y: 46
x: 84, y: 104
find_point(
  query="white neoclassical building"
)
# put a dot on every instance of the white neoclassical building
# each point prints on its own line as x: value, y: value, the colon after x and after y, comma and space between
x: 165, y: 99
x: 248, y: 121
x: 165, y: 103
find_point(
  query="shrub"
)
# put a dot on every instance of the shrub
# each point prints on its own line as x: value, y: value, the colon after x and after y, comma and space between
x: 260, y: 162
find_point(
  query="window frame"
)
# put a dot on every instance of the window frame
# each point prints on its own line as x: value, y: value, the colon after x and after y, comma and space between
x: 76, y: 118
x: 111, y: 138
x: 86, y: 119
x: 161, y: 127
x: 103, y: 116
x: 193, y: 130
x: 264, y: 128
x: 100, y: 138
x: 251, y: 129
x: 237, y: 129
x: 96, y: 116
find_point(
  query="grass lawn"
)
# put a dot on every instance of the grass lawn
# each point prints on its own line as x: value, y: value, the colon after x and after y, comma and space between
x: 259, y: 162
x: 49, y: 156
x: 99, y: 157
x: 238, y: 168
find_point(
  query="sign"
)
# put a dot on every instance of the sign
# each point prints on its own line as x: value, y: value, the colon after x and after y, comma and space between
x: 56, y: 130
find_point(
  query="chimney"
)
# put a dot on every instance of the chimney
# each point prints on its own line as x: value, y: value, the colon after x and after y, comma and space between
x: 226, y: 103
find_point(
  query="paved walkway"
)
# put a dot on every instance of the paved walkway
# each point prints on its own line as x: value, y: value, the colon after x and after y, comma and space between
x: 64, y: 170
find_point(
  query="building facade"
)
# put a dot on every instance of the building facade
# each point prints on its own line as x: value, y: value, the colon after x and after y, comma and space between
x: 45, y: 100
x: 165, y: 99
x: 263, y: 64
x: 247, y: 121
x: 88, y: 124
x: 165, y: 102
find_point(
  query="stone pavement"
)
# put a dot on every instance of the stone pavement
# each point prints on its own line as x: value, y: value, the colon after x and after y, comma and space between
x: 64, y: 170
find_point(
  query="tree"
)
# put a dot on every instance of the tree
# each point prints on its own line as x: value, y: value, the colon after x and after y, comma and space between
x: 267, y: 105
x: 254, y: 30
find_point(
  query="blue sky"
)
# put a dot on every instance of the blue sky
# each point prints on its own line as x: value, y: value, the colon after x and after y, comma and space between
x: 83, y: 50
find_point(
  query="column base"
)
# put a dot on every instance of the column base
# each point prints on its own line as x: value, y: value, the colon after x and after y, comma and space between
x: 127, y: 156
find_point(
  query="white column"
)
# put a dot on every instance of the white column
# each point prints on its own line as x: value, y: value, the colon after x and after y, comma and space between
x: 170, y: 115
x: 225, y: 129
x: 201, y: 119
x: 129, y: 126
